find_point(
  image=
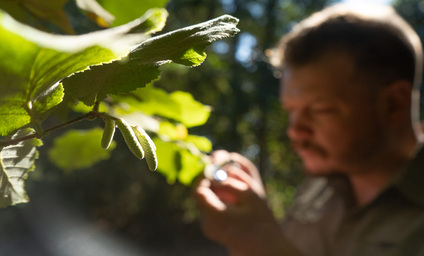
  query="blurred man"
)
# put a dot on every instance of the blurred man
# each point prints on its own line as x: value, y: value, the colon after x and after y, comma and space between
x: 350, y: 85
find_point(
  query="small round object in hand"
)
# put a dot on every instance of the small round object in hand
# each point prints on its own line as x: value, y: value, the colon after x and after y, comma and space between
x: 220, y: 175
x: 216, y: 172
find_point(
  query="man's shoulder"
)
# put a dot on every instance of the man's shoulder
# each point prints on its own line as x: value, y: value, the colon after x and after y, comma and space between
x: 411, y: 181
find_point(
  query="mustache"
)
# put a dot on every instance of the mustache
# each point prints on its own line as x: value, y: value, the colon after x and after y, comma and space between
x: 308, y: 145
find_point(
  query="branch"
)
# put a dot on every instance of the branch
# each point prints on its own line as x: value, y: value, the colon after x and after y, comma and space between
x: 89, y: 115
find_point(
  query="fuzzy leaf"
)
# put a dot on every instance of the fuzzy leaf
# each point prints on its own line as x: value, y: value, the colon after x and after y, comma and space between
x: 15, y: 163
x: 183, y: 46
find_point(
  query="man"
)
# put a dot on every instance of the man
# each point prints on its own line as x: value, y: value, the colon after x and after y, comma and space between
x: 350, y: 85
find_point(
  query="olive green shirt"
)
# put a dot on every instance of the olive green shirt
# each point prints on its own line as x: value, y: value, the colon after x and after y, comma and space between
x: 325, y: 221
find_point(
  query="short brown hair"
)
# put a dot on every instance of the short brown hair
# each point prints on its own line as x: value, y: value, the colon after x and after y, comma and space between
x: 383, y: 46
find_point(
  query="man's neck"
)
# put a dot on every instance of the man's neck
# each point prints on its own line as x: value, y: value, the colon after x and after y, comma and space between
x: 368, y: 184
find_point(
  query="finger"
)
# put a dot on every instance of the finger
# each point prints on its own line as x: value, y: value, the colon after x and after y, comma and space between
x: 206, y: 199
x: 220, y: 156
x: 246, y: 165
x: 239, y: 163
x: 215, y: 195
x: 241, y: 175
x: 230, y: 191
x: 238, y: 173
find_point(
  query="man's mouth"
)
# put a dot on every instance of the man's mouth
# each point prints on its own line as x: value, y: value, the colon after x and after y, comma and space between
x: 307, y: 149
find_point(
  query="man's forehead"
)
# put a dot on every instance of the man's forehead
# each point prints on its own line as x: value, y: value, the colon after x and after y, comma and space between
x: 331, y: 72
x: 333, y: 60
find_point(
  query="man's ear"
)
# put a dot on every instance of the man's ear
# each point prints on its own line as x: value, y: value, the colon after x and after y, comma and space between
x: 397, y: 101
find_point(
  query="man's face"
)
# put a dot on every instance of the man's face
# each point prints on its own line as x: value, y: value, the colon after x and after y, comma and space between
x: 335, y: 125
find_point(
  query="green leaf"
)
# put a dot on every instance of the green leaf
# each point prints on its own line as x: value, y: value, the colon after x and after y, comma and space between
x: 44, y: 103
x: 183, y: 46
x: 33, y: 62
x: 191, y: 166
x: 178, y: 106
x: 169, y: 131
x: 177, y: 163
x: 82, y: 108
x: 49, y: 99
x: 127, y: 10
x: 78, y: 149
x: 95, y: 84
x: 200, y: 142
x: 156, y: 101
x: 16, y: 112
x: 169, y: 162
x: 15, y: 163
x: 192, y: 112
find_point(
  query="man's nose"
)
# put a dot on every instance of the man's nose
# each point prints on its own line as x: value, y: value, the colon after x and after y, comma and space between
x: 299, y: 126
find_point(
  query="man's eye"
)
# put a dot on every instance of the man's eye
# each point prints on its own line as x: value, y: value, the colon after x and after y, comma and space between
x: 322, y: 110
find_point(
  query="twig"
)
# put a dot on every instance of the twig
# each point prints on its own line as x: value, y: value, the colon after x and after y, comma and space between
x: 89, y: 115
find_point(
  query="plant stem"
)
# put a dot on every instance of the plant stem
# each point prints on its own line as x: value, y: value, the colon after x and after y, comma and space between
x: 89, y: 115
x: 96, y: 106
x: 72, y: 121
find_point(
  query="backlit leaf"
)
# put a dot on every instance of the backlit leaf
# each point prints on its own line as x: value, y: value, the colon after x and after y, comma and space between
x: 200, y: 142
x: 191, y: 166
x: 169, y: 161
x: 178, y: 106
x: 15, y: 163
x: 169, y: 131
x: 78, y: 149
x: 177, y: 163
x: 193, y: 113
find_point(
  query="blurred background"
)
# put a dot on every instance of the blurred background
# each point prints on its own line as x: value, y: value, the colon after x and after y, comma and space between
x: 113, y: 208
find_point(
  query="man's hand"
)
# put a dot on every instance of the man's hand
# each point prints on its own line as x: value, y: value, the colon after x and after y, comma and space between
x: 235, y: 212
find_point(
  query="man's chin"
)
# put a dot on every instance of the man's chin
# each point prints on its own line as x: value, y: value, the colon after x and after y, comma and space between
x: 317, y: 169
